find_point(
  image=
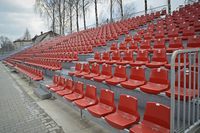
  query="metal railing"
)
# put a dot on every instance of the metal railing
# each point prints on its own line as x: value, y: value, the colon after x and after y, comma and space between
x: 185, y: 90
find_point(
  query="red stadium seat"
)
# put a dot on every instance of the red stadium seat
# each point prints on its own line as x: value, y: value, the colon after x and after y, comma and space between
x: 61, y: 85
x: 115, y: 58
x: 191, y: 90
x: 133, y: 46
x: 123, y: 47
x: 142, y: 58
x: 159, y: 59
x: 68, y: 88
x: 106, y: 73
x: 94, y: 72
x: 158, y: 44
x: 156, y: 119
x: 126, y: 114
x: 113, y: 47
x: 77, y: 93
x: 55, y: 82
x: 90, y: 98
x: 137, y: 78
x: 105, y: 106
x: 160, y: 34
x: 119, y: 75
x: 145, y: 45
x: 157, y: 83
x: 128, y: 38
x: 97, y: 57
x: 127, y: 59
x: 105, y: 57
x: 187, y: 32
x: 173, y: 33
x: 174, y: 44
x: 194, y: 42
x: 85, y: 70
x: 78, y: 70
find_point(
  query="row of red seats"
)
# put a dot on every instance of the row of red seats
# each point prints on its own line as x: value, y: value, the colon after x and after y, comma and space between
x: 46, y: 64
x: 120, y: 118
x: 174, y: 43
x: 158, y: 59
x: 64, y: 57
x: 157, y: 83
x: 33, y: 73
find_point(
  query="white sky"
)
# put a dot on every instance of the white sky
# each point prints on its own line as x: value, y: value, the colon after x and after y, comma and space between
x: 17, y: 15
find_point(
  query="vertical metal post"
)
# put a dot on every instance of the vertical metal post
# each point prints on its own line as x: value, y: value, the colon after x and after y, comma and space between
x: 198, y: 90
x: 184, y: 92
x: 190, y: 89
x: 194, y: 88
x: 178, y: 106
x: 172, y: 111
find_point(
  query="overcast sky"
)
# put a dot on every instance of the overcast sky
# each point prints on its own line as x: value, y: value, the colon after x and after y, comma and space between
x: 17, y: 15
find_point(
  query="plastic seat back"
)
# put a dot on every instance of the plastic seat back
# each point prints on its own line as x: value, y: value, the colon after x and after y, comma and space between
x: 158, y: 114
x: 128, y: 104
x: 194, y: 42
x: 116, y: 55
x: 142, y: 55
x: 175, y: 43
x: 78, y: 67
x: 78, y: 87
x: 114, y: 46
x: 159, y: 44
x: 159, y: 55
x: 106, y: 56
x: 55, y: 79
x: 69, y: 84
x: 95, y: 68
x: 145, y: 45
x: 86, y: 67
x: 120, y: 71
x: 159, y: 76
x: 97, y: 56
x: 107, y: 97
x: 90, y: 92
x: 137, y: 74
x: 61, y: 81
x: 106, y: 70
x: 128, y: 56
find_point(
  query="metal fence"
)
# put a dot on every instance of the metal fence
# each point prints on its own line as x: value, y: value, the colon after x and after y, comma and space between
x: 185, y: 90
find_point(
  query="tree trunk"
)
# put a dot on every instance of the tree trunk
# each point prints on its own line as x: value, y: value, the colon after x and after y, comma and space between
x: 121, y: 9
x: 96, y: 13
x: 53, y: 23
x: 84, y: 21
x: 77, y: 25
x: 63, y: 22
x: 70, y: 17
x: 111, y: 10
x: 145, y: 6
x: 169, y: 6
x: 60, y: 17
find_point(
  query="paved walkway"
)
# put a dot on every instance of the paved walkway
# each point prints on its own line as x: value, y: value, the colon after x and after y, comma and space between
x: 18, y: 111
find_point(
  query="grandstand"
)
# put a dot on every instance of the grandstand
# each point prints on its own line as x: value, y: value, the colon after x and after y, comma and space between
x: 140, y: 74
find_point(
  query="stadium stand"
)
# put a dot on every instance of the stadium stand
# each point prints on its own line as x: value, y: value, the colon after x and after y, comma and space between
x: 135, y: 69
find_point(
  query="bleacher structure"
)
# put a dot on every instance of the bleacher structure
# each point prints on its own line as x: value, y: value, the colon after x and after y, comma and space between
x: 140, y: 74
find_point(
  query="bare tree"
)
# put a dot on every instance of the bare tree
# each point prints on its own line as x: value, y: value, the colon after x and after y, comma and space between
x: 121, y: 8
x: 47, y: 8
x: 77, y: 14
x: 169, y: 6
x: 85, y: 5
x: 96, y: 13
x: 5, y: 44
x: 111, y: 10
